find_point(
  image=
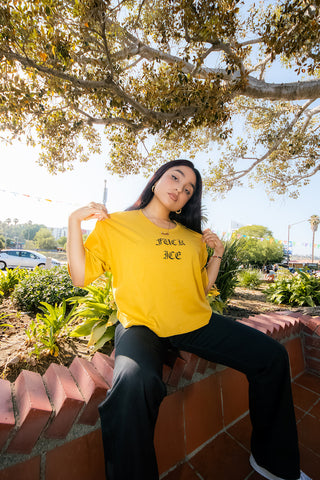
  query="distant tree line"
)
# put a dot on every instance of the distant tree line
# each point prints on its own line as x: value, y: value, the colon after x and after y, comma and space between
x: 28, y: 235
x: 259, y: 248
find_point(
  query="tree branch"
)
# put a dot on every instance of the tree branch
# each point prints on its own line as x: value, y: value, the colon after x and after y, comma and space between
x: 281, y: 91
x: 251, y: 42
x: 28, y: 62
x: 296, y: 178
x: 253, y: 88
x: 106, y: 47
x: 131, y: 65
x: 261, y: 64
x: 309, y: 115
x: 243, y: 173
x: 107, y: 84
x: 109, y: 121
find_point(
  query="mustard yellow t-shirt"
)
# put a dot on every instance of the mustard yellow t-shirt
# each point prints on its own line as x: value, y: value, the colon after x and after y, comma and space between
x: 159, y: 275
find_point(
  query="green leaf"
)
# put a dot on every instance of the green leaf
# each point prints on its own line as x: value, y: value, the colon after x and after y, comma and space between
x: 113, y: 318
x: 84, y: 329
x: 310, y: 301
x: 105, y: 338
x: 97, y: 332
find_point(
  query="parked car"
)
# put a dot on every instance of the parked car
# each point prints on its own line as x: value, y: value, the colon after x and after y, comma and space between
x: 24, y: 259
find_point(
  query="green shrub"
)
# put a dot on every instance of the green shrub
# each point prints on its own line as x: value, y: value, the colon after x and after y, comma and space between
x: 98, y: 312
x: 41, y: 285
x: 301, y: 289
x: 10, y: 279
x: 249, y: 278
x: 283, y: 273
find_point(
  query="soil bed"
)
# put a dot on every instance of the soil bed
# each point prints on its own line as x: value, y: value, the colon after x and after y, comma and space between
x: 15, y: 346
x: 246, y: 302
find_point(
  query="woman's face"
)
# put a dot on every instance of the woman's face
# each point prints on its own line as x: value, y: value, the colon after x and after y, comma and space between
x: 176, y: 186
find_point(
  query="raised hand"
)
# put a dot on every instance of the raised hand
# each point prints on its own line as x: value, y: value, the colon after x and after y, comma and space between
x: 91, y: 211
x: 213, y: 241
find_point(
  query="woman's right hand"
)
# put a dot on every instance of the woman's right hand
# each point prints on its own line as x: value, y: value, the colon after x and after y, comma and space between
x: 91, y: 211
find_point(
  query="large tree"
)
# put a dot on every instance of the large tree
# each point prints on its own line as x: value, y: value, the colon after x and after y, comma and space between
x: 258, y: 247
x: 163, y: 78
x: 44, y: 239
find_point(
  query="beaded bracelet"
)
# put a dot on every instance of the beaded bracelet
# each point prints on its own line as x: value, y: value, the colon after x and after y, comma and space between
x: 216, y: 256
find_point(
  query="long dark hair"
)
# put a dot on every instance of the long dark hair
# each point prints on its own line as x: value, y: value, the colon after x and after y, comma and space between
x: 190, y: 215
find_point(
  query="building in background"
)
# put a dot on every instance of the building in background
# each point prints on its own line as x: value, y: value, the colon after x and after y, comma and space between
x: 59, y: 232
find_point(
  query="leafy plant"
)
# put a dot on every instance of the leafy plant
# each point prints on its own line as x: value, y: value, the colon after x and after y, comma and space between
x: 301, y: 289
x: 10, y: 279
x: 50, y: 325
x: 41, y: 285
x: 249, y: 278
x: 98, y: 311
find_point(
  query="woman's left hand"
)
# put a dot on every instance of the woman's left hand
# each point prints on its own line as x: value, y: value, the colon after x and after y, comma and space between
x: 213, y: 241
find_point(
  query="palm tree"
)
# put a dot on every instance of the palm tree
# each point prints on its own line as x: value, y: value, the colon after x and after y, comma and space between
x: 314, y: 221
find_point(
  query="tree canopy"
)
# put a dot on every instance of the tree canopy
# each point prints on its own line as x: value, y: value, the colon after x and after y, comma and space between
x: 258, y: 246
x: 44, y: 240
x: 13, y: 230
x: 165, y: 78
x: 256, y: 231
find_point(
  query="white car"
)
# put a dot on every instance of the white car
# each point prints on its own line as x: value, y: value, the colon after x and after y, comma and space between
x: 24, y: 259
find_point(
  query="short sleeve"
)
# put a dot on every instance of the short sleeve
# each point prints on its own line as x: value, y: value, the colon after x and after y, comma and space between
x: 97, y: 253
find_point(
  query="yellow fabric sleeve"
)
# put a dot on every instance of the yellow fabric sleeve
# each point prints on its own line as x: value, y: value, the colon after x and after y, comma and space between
x: 96, y: 254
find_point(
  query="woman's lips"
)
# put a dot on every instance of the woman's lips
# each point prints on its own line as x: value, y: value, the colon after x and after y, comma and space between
x: 173, y: 197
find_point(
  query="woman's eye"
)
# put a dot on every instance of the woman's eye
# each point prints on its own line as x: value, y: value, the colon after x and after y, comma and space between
x: 174, y: 177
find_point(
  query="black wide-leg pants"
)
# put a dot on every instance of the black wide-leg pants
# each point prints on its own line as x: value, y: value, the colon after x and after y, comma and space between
x: 129, y: 413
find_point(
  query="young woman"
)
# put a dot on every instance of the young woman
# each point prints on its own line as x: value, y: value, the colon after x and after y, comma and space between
x: 158, y: 258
